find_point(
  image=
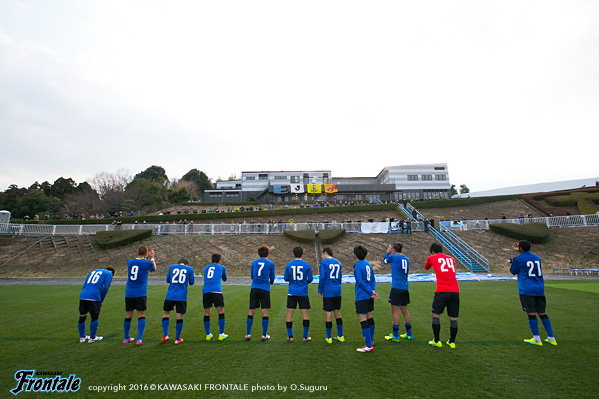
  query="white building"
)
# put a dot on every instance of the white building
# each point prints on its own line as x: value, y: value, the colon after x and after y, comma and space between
x: 427, y: 181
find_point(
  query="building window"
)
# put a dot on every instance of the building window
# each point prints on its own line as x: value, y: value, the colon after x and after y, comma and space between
x: 427, y: 177
x: 295, y: 179
x: 280, y: 177
x: 250, y: 178
x: 263, y: 176
x: 412, y: 177
x: 306, y: 176
x: 440, y: 177
x: 439, y: 167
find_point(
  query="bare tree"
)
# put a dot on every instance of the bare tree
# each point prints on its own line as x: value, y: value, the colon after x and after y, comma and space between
x: 105, y: 182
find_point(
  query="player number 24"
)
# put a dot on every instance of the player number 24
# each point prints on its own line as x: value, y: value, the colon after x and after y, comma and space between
x: 446, y: 264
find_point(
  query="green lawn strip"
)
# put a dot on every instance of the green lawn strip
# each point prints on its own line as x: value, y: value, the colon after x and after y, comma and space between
x: 39, y: 332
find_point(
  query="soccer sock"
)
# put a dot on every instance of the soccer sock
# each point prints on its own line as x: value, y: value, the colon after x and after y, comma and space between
x: 339, y: 327
x: 408, y: 328
x: 141, y: 326
x: 534, y: 326
x: 436, y: 328
x: 395, y: 330
x: 127, y: 328
x: 221, y: 323
x: 93, y: 328
x: 165, y: 324
x: 178, y: 329
x: 248, y: 324
x: 207, y: 324
x: 264, y: 325
x: 306, y: 328
x: 547, y: 325
x: 366, y: 333
x: 81, y: 326
x: 371, y: 324
x: 329, y: 328
x: 453, y: 330
x: 289, y: 325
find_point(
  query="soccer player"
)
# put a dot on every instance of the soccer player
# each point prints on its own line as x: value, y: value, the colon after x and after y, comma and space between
x: 136, y: 292
x: 213, y: 295
x: 531, y: 287
x: 299, y: 275
x: 447, y: 294
x: 365, y: 296
x: 263, y: 275
x: 329, y: 290
x: 92, y: 296
x: 179, y: 276
x: 399, y: 297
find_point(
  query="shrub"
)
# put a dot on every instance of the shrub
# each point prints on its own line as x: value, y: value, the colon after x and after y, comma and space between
x: 119, y: 238
x: 533, y: 232
x: 327, y: 236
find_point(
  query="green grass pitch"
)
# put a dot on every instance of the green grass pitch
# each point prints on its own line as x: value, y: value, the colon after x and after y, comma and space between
x: 39, y: 331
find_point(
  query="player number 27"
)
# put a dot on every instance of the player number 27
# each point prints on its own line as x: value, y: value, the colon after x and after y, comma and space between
x: 335, y: 267
x: 531, y: 268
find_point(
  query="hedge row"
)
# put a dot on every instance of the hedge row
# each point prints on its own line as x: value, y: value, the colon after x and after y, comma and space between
x: 584, y: 199
x: 198, y: 217
x: 534, y: 232
x: 327, y: 236
x: 457, y: 202
x: 119, y: 238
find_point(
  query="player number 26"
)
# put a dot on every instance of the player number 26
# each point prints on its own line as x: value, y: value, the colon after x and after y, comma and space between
x: 179, y: 276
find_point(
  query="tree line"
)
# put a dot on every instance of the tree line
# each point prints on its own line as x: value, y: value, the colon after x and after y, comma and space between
x: 105, y: 195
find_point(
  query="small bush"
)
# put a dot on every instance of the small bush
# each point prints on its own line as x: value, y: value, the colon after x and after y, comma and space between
x: 534, y: 232
x: 327, y: 236
x: 114, y: 239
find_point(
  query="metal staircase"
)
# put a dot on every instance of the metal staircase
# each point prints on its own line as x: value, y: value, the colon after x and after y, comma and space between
x: 463, y: 252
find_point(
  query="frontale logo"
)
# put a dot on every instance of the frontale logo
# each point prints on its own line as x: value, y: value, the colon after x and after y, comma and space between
x: 26, y: 382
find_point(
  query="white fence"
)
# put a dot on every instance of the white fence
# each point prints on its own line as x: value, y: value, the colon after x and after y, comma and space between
x: 275, y: 228
x: 554, y: 221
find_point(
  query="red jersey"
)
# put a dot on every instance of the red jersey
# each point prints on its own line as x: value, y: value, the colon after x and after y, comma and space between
x: 444, y: 267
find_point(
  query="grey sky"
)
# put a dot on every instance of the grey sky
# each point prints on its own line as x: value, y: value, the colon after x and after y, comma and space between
x: 506, y: 92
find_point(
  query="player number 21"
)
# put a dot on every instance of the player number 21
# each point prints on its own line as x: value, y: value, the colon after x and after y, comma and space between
x: 531, y: 268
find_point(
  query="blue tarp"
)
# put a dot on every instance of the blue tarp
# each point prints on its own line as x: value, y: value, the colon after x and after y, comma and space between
x: 412, y: 278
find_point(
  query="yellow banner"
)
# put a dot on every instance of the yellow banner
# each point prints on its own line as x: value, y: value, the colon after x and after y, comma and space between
x: 330, y: 188
x: 314, y: 188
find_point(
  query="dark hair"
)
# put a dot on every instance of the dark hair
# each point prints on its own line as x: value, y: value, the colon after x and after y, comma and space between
x: 263, y: 251
x: 328, y: 250
x: 436, y: 248
x: 397, y: 247
x: 298, y: 252
x: 111, y: 270
x: 142, y: 251
x: 524, y: 245
x: 183, y: 261
x: 216, y: 258
x: 360, y: 252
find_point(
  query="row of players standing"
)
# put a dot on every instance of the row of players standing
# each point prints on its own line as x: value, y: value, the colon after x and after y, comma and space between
x: 299, y: 275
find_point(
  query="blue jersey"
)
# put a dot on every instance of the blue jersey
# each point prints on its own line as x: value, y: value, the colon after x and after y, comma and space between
x: 530, y: 275
x: 329, y: 284
x: 365, y: 281
x: 137, y: 277
x: 400, y: 266
x: 213, y: 274
x: 178, y: 276
x: 96, y: 286
x: 299, y: 275
x: 263, y: 274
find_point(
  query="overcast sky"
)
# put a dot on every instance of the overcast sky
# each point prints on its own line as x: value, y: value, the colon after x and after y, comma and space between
x: 505, y: 92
